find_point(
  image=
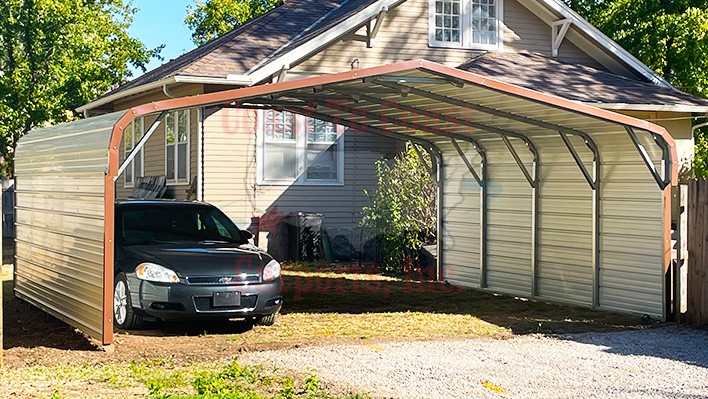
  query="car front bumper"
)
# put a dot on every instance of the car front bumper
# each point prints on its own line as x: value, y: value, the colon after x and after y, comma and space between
x: 192, y: 302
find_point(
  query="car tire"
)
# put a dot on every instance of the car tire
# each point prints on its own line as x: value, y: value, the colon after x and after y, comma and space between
x: 124, y: 316
x: 267, y: 320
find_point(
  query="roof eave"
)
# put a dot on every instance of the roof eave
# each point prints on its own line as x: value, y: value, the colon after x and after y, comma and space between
x: 603, y: 40
x: 231, y: 80
x: 697, y: 109
x: 292, y: 57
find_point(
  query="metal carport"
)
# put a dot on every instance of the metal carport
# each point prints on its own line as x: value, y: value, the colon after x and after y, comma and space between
x: 538, y: 196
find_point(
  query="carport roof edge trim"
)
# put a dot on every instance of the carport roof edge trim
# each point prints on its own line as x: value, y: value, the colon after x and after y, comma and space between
x: 229, y: 96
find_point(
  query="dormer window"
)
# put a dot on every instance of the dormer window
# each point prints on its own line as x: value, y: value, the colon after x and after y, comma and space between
x: 473, y: 24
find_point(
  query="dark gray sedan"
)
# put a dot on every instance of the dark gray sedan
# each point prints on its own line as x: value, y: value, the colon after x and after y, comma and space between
x: 187, y: 261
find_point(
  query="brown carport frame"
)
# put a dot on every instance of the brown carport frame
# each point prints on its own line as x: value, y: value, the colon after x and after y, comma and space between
x: 268, y: 95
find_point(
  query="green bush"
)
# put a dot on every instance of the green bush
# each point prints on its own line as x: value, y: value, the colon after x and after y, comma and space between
x: 402, y: 212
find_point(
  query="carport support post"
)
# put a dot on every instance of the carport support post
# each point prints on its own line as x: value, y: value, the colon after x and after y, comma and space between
x: 109, y: 219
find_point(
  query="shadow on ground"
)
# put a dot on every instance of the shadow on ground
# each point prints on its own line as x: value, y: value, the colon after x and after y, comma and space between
x: 28, y: 327
x: 337, y: 294
x: 682, y: 344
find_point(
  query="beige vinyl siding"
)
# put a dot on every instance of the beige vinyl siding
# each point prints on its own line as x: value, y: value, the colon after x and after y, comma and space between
x: 404, y: 36
x: 525, y: 32
x: 229, y: 158
x: 230, y: 178
x: 340, y: 204
x: 178, y: 90
x: 154, y: 158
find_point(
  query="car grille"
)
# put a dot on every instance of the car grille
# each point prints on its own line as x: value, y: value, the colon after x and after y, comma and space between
x: 224, y: 280
x: 204, y: 304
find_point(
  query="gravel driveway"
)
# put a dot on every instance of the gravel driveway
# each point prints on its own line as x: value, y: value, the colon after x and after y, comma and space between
x: 668, y: 362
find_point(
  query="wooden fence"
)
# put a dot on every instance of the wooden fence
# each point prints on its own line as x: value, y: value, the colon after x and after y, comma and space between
x: 697, y: 284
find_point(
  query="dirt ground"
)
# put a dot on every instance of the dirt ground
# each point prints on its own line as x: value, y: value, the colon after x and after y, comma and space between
x: 323, y: 307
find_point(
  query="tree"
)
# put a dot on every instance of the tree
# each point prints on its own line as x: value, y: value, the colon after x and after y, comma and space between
x: 209, y: 19
x: 402, y: 212
x: 669, y: 36
x: 56, y: 55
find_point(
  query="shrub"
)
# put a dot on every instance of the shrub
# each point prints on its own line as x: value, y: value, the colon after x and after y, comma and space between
x: 402, y: 211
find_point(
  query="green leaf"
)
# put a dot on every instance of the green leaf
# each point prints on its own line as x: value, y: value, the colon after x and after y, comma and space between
x: 56, y: 55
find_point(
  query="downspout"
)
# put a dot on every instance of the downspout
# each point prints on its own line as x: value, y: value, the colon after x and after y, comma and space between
x: 166, y: 90
x: 698, y: 126
x: 200, y: 154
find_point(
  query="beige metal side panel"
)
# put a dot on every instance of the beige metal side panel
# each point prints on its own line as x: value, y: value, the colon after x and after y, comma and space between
x: 631, y: 267
x: 59, y: 220
x: 461, y: 216
x: 509, y: 210
x: 565, y: 271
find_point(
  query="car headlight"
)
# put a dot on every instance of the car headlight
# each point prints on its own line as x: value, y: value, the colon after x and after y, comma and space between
x: 271, y: 271
x: 156, y: 273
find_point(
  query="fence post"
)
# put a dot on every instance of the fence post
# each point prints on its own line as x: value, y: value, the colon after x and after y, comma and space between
x: 697, y: 287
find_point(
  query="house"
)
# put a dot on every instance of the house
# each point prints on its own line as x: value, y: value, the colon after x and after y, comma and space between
x: 541, y: 192
x: 271, y: 169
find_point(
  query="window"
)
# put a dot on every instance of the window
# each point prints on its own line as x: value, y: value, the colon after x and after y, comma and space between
x: 300, y: 150
x: 131, y: 136
x: 474, y: 24
x: 177, y: 146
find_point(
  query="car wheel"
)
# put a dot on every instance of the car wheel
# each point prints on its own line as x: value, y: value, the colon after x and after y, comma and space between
x: 124, y: 316
x: 267, y: 320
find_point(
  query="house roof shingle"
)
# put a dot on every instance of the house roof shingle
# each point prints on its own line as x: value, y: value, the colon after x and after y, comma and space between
x: 244, y: 47
x: 285, y: 28
x: 574, y: 81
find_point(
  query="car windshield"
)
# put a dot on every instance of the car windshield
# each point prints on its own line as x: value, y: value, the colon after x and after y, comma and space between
x: 154, y: 224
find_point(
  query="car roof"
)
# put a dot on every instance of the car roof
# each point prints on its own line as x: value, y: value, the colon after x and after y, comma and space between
x: 163, y: 202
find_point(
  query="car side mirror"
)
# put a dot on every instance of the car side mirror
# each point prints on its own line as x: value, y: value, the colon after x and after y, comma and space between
x: 247, y: 234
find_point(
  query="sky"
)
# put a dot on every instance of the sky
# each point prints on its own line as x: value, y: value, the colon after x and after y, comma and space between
x: 161, y: 22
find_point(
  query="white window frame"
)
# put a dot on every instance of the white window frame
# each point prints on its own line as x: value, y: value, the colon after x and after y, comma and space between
x: 131, y: 183
x: 173, y: 147
x: 301, y: 155
x: 466, y: 28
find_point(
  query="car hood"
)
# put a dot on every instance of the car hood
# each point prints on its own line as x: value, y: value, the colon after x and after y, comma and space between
x: 202, y: 260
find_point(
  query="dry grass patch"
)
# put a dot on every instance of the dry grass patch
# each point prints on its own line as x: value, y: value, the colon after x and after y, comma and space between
x: 302, y: 328
x: 44, y: 357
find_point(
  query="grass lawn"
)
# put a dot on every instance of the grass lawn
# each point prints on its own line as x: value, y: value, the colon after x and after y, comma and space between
x: 46, y: 358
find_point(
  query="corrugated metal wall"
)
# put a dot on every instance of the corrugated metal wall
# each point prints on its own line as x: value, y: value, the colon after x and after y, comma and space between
x: 631, y: 215
x: 60, y: 219
x: 510, y: 222
x: 462, y: 215
x: 631, y: 220
x: 565, y: 271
